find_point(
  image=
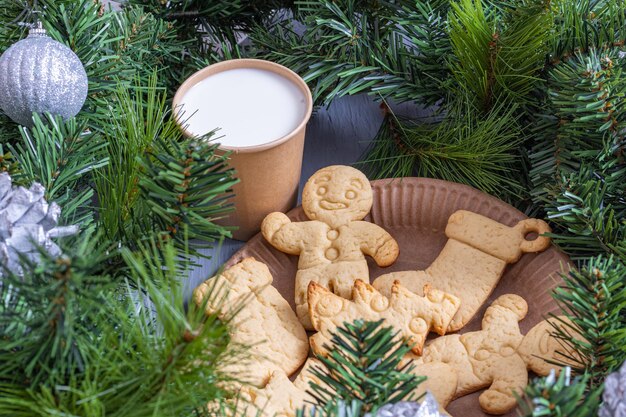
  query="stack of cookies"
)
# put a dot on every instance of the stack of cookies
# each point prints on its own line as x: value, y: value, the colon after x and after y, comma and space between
x: 332, y: 287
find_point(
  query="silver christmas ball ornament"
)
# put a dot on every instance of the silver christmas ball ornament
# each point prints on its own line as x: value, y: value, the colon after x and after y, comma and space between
x: 427, y: 408
x: 39, y: 74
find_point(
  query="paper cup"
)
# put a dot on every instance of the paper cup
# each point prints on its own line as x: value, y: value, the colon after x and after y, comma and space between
x: 269, y: 173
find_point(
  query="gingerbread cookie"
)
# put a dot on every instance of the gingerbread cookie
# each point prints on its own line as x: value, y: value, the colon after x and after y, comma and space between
x: 472, y: 261
x: 281, y: 397
x: 261, y: 319
x: 541, y: 350
x: 412, y: 315
x: 333, y: 244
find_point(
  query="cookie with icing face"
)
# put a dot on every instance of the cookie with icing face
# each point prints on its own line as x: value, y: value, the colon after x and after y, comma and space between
x: 333, y: 244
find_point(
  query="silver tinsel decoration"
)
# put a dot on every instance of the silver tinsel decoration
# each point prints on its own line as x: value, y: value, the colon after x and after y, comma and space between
x: 27, y: 222
x: 614, y: 395
x: 39, y: 74
x: 427, y: 408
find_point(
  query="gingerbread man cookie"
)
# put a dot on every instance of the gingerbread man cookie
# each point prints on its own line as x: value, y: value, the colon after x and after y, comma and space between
x: 261, y: 320
x: 541, y: 350
x: 333, y: 244
x: 472, y: 261
x: 412, y: 315
x: 281, y: 397
x: 487, y: 358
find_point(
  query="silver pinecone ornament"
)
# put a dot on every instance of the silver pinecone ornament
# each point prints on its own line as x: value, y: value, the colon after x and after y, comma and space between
x: 27, y: 222
x: 427, y: 408
x: 39, y: 74
x: 614, y: 395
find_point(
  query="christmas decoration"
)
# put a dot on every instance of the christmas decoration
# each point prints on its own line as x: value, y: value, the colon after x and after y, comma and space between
x: 529, y: 107
x: 39, y: 74
x: 27, y: 225
x: 427, y: 408
x: 614, y: 395
x: 560, y: 396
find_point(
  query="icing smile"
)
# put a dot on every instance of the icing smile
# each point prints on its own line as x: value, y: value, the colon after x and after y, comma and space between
x: 332, y: 205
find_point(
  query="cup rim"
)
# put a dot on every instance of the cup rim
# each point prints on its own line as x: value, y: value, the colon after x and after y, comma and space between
x: 239, y: 63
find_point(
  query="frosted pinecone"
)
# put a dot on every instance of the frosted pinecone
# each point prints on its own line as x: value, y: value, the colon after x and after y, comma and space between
x: 614, y: 396
x: 427, y: 408
x: 27, y: 222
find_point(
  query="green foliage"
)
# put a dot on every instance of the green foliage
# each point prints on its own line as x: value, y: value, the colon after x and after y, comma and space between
x: 585, y: 118
x: 478, y: 152
x: 45, y: 330
x: 594, y: 299
x: 186, y: 187
x: 498, y: 52
x: 583, y: 25
x: 59, y: 155
x: 78, y: 344
x: 363, y: 369
x: 560, y: 397
x: 391, y: 49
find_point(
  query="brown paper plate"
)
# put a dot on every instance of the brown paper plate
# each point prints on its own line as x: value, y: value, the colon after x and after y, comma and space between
x: 415, y: 211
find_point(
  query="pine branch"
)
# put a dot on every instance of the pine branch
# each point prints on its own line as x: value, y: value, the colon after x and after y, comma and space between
x: 45, y: 329
x: 560, y: 397
x: 395, y: 50
x: 186, y: 187
x: 594, y: 300
x: 60, y: 155
x: 363, y: 367
x: 460, y: 148
x: 585, y: 25
x: 584, y: 121
x: 498, y: 52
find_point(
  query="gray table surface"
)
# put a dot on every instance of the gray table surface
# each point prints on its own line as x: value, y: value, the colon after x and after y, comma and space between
x: 338, y: 134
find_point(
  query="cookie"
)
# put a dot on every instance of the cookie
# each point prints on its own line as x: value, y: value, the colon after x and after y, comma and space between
x: 472, y: 261
x: 281, y: 397
x: 441, y: 381
x: 412, y: 315
x: 333, y: 244
x: 261, y: 320
x: 543, y: 352
x: 487, y: 358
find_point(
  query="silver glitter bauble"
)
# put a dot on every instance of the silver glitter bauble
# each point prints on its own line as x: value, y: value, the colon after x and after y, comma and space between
x: 614, y: 395
x: 39, y: 74
x: 27, y: 223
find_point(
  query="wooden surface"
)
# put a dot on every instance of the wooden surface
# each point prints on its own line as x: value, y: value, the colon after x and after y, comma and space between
x: 335, y: 135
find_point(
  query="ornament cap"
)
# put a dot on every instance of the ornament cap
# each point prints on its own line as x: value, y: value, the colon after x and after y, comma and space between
x: 37, y: 30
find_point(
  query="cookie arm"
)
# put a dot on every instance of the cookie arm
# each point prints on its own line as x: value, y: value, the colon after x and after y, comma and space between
x: 281, y: 233
x: 376, y: 242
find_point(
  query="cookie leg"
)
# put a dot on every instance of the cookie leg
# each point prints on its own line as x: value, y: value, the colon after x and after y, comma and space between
x: 513, y: 377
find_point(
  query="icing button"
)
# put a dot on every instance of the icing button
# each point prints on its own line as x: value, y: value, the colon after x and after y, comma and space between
x: 332, y: 254
x: 332, y: 234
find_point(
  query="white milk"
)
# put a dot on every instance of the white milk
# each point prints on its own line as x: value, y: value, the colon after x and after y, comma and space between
x: 249, y: 106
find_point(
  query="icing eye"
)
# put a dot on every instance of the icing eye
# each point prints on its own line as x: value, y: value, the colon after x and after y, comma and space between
x: 350, y: 195
x: 321, y: 190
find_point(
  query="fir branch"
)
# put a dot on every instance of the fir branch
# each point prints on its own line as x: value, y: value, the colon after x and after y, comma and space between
x: 498, y: 52
x: 594, y: 301
x: 585, y: 118
x: 395, y: 50
x: 560, y: 397
x: 460, y: 148
x: 60, y: 155
x: 363, y: 366
x: 186, y: 187
x: 45, y: 329
x: 584, y: 25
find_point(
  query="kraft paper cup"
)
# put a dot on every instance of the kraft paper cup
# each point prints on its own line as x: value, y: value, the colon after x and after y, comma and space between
x: 269, y: 173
